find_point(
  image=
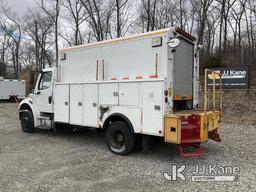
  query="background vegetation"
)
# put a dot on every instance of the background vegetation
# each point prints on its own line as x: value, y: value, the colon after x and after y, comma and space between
x: 225, y: 28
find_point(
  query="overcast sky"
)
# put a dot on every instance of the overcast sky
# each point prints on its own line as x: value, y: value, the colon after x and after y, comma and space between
x: 20, y: 6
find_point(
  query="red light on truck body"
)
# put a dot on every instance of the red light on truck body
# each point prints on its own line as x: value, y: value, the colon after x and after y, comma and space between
x: 166, y: 92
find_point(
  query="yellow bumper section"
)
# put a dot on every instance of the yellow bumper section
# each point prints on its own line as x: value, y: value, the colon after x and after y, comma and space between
x: 191, y: 127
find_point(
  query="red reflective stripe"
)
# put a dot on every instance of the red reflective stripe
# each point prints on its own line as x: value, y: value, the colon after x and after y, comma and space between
x: 152, y: 76
x: 113, y: 78
x: 126, y: 78
x: 139, y: 77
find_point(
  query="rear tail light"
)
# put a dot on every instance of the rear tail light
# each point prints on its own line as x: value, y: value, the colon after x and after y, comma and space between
x: 166, y: 96
x: 166, y: 92
x: 166, y: 99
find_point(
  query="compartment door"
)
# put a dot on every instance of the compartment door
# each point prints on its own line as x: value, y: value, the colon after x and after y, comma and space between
x: 129, y: 94
x: 91, y: 105
x: 61, y: 103
x: 76, y: 104
x: 172, y: 129
x: 108, y: 94
x: 152, y: 108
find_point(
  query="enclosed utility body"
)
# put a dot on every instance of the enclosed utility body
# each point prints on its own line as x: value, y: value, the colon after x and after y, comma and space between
x: 12, y: 88
x: 126, y: 86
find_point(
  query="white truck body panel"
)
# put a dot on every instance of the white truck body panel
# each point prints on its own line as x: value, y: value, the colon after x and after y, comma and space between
x: 76, y: 104
x: 91, y: 105
x: 133, y: 113
x: 124, y: 57
x: 108, y: 93
x: 61, y: 103
x: 12, y: 88
x: 144, y: 105
x: 129, y: 94
x: 153, y: 108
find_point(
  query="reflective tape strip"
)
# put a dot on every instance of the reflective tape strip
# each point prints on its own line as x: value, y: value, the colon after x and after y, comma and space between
x: 16, y: 80
x: 152, y: 76
x: 137, y: 77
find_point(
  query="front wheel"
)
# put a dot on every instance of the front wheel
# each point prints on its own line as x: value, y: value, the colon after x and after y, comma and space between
x: 27, y: 122
x: 119, y: 138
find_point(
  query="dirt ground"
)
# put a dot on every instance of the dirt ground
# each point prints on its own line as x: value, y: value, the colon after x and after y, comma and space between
x: 80, y: 161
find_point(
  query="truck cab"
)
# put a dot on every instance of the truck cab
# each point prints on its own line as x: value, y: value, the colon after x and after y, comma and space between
x: 37, y: 109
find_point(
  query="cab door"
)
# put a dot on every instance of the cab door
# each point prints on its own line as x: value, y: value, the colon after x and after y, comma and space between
x: 43, y: 91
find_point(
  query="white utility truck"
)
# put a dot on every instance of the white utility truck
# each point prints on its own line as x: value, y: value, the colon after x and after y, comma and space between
x: 147, y: 84
x: 12, y: 89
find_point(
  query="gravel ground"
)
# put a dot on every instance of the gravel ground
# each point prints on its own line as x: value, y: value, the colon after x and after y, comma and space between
x: 80, y: 161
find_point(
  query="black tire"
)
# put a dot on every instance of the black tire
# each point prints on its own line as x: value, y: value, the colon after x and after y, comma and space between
x: 138, y: 143
x: 119, y: 138
x: 27, y: 122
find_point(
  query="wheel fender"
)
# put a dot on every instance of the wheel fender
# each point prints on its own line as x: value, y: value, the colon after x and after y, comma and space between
x: 131, y: 115
x: 27, y: 102
x: 117, y: 117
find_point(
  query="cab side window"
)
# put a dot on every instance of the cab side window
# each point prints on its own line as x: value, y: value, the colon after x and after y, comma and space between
x: 45, y: 81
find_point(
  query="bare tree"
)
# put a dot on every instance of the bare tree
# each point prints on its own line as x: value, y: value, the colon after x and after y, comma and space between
x: 4, y: 43
x: 11, y: 27
x: 226, y: 5
x: 121, y: 8
x: 99, y: 15
x: 39, y: 28
x: 155, y: 14
x: 202, y: 8
x: 148, y: 14
x: 226, y: 28
x: 77, y: 15
x: 238, y: 14
x: 52, y: 9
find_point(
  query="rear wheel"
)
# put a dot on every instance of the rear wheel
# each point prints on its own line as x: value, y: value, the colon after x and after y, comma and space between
x: 27, y: 122
x: 119, y: 138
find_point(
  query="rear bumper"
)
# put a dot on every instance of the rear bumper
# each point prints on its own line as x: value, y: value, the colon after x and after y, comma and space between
x: 189, y: 128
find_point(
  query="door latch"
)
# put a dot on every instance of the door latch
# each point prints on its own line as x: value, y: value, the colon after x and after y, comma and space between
x: 50, y: 99
x: 115, y: 94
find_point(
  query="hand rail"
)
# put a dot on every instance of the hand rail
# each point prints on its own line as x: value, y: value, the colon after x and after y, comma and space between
x: 214, y: 92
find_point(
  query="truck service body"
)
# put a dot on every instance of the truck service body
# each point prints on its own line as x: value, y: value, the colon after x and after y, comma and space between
x: 12, y: 88
x: 145, y: 84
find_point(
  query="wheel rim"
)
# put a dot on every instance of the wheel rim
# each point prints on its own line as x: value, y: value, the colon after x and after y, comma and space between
x: 25, y: 122
x: 118, y: 140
